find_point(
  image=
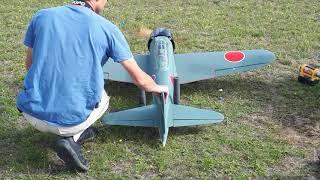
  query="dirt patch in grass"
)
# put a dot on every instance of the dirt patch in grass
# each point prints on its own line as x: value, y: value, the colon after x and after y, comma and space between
x: 21, y: 122
x: 302, y: 130
x: 147, y: 175
x: 261, y: 121
x: 143, y: 32
x: 121, y: 167
x: 294, y: 137
x: 287, y: 166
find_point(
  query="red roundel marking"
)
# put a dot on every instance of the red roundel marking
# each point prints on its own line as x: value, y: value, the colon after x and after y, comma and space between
x: 172, y: 79
x: 234, y: 56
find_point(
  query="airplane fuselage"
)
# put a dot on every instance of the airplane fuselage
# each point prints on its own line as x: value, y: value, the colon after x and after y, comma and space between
x: 163, y: 71
x: 162, y: 62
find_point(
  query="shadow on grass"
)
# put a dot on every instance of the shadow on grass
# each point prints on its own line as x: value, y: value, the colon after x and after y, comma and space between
x: 142, y: 136
x: 27, y: 151
x: 314, y: 167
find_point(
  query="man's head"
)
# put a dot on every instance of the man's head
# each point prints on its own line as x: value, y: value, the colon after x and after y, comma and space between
x: 97, y: 5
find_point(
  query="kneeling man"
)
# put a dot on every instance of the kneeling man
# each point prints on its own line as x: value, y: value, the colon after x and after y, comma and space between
x: 64, y: 85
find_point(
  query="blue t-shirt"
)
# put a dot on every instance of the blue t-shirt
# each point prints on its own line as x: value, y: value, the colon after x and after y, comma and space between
x: 70, y: 46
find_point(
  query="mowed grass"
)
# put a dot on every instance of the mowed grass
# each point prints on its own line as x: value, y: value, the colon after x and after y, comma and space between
x: 272, y: 125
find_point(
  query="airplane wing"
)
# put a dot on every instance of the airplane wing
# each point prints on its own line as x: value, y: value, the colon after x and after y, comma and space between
x: 115, y: 72
x: 199, y: 66
x: 190, y: 116
x: 146, y: 116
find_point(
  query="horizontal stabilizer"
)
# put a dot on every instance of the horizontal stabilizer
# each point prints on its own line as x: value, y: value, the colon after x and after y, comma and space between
x: 146, y: 116
x: 115, y: 72
x: 189, y: 116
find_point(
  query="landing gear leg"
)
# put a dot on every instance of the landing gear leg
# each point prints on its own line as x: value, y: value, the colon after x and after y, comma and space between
x: 143, y: 98
x: 176, y: 91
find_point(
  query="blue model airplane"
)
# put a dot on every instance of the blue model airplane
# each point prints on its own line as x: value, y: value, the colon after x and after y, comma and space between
x: 171, y: 69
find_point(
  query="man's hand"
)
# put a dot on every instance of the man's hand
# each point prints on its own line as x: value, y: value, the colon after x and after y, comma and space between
x: 161, y: 89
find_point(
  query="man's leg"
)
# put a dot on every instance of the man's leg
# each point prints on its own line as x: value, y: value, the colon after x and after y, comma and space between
x: 68, y: 148
x: 79, y: 130
x: 74, y: 131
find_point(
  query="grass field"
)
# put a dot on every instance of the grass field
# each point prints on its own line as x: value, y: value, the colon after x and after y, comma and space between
x: 272, y: 125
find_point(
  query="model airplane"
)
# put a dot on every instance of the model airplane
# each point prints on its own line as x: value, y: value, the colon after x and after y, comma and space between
x: 171, y: 69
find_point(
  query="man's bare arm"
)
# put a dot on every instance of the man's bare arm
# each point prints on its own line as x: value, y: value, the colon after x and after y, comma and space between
x: 141, y: 79
x: 28, y: 58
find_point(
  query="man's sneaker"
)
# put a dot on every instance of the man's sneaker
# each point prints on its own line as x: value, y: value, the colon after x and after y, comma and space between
x: 70, y: 152
x: 87, y: 134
